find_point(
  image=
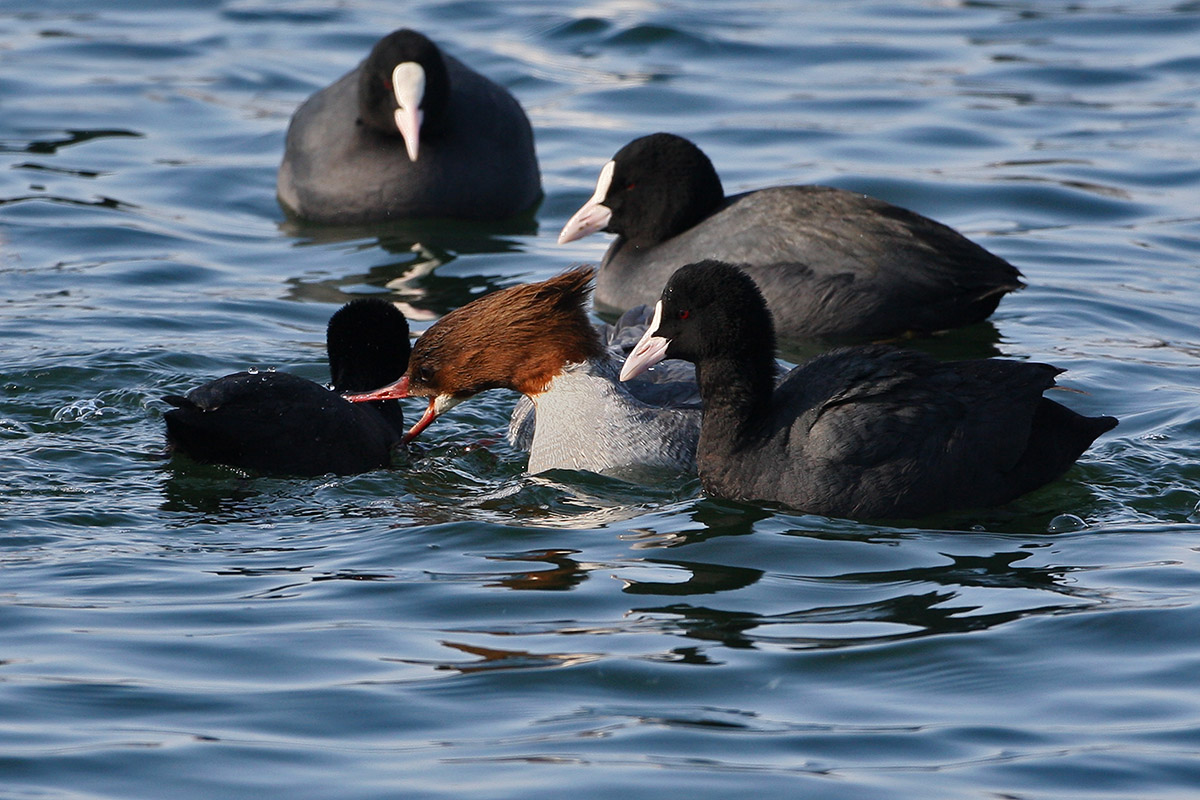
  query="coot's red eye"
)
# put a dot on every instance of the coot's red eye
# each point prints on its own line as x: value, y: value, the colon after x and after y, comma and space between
x: 683, y: 314
x: 630, y: 186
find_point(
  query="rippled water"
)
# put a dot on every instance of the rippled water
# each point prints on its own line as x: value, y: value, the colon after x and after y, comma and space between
x: 454, y: 628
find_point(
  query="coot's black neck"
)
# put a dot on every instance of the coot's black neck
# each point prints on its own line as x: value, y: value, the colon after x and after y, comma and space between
x: 735, y: 392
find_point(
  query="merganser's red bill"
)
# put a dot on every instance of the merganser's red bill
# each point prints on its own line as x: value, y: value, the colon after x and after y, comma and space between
x: 431, y: 413
x: 393, y: 391
x: 438, y: 404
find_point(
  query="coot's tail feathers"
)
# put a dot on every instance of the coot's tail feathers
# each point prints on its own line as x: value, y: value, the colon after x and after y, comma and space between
x: 188, y: 432
x: 1058, y: 437
x: 958, y: 282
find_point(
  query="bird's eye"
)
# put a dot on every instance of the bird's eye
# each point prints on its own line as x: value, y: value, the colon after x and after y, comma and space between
x: 629, y: 186
x: 682, y: 313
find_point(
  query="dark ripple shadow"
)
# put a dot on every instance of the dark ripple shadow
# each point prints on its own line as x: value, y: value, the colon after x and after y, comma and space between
x: 908, y: 615
x: 109, y: 203
x: 253, y: 11
x: 68, y: 138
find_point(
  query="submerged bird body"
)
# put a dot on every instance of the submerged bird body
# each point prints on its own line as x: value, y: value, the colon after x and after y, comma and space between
x: 352, y: 155
x: 831, y: 264
x: 275, y: 422
x: 863, y: 432
x: 537, y: 339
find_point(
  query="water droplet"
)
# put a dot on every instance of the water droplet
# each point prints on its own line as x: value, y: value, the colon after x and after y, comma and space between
x: 1066, y: 523
x: 253, y: 370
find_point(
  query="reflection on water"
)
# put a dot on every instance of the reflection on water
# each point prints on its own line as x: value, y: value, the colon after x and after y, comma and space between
x: 436, y: 234
x: 414, y: 285
x: 420, y: 291
x: 491, y: 658
x: 910, y: 612
x: 565, y: 572
x: 701, y: 579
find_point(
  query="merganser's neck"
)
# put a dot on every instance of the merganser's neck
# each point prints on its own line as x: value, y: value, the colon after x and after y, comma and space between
x: 587, y: 420
x: 573, y: 413
x: 517, y: 338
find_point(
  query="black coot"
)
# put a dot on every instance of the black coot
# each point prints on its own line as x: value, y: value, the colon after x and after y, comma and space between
x: 279, y: 423
x: 864, y: 432
x: 410, y: 132
x: 832, y: 264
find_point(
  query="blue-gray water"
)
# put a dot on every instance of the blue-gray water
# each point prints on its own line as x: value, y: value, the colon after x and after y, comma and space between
x: 457, y: 629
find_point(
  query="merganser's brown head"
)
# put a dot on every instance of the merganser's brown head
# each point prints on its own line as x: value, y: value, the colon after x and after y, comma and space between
x: 518, y: 338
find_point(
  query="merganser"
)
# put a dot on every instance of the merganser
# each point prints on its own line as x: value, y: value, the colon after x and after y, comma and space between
x: 537, y: 339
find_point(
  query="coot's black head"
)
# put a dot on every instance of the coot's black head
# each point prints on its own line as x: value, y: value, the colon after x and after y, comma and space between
x: 654, y: 188
x: 404, y: 89
x: 368, y: 345
x: 709, y: 311
x: 709, y: 307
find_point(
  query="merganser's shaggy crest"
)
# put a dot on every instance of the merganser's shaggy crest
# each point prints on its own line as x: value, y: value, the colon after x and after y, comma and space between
x: 537, y: 339
x: 283, y: 424
x: 410, y: 132
x: 864, y: 432
x: 832, y: 264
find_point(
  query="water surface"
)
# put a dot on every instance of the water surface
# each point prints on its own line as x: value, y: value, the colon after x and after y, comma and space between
x: 455, y: 628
